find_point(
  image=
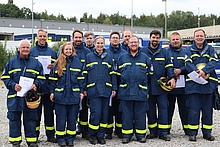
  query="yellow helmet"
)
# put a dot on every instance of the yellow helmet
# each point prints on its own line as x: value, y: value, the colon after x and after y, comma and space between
x: 163, y: 84
x: 200, y: 66
x: 32, y: 99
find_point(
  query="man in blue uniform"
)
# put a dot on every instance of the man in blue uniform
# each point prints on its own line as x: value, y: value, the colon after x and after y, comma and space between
x: 133, y: 68
x: 22, y: 66
x: 202, y: 59
x: 126, y: 34
x: 162, y: 67
x: 41, y: 50
x: 177, y: 54
x: 116, y: 51
x: 89, y: 39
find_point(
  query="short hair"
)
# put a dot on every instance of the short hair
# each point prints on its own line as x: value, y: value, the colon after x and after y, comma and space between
x: 99, y: 37
x: 88, y: 34
x: 199, y: 30
x: 42, y: 30
x: 175, y: 33
x: 126, y: 30
x: 23, y: 40
x: 134, y: 36
x: 112, y: 33
x: 75, y: 31
x: 155, y: 32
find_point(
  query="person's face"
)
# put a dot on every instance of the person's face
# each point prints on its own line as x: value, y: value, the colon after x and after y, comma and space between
x: 175, y: 41
x: 68, y: 50
x: 133, y: 44
x: 24, y: 49
x: 42, y: 38
x: 114, y: 40
x: 99, y: 44
x: 154, y: 40
x: 77, y: 39
x: 89, y: 40
x: 126, y: 36
x: 199, y: 37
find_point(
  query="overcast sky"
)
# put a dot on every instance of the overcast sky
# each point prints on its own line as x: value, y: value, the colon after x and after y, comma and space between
x: 77, y: 7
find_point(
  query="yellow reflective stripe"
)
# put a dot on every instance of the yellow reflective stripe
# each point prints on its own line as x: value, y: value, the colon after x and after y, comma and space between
x: 52, y: 78
x: 122, y: 85
x: 141, y: 64
x: 50, y: 128
x: 32, y: 71
x: 59, y: 89
x: 214, y: 79
x: 141, y: 131
x: 71, y: 132
x: 152, y: 125
x: 141, y: 86
x: 11, y: 96
x: 110, y: 125
x: 168, y: 65
x: 85, y: 72
x: 83, y: 123
x: 127, y: 131
x: 80, y: 78
x: 180, y: 58
x: 188, y: 79
x: 14, y: 70
x: 160, y: 59
x: 106, y: 63
x: 194, y: 55
x: 13, y: 139
x: 112, y: 72
x: 108, y: 84
x: 37, y: 128
x: 41, y: 77
x: 52, y: 59
x: 31, y: 139
x: 151, y: 73
x: 118, y: 125
x: 169, y: 126
x: 123, y: 65
x: 75, y: 69
x: 163, y: 126
x: 76, y: 89
x: 185, y: 126
x: 206, y: 55
x: 93, y: 127
x: 90, y: 85
x: 90, y: 64
x: 82, y: 60
x: 207, y: 126
x: 103, y: 125
x: 61, y: 133
x: 5, y: 77
x: 188, y: 60
x: 213, y: 59
x: 193, y: 126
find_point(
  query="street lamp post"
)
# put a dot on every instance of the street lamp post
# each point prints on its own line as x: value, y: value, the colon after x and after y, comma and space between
x: 131, y: 15
x: 32, y: 22
x: 165, y: 18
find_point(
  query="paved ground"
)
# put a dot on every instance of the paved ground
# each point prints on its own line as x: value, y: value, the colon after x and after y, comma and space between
x: 178, y: 139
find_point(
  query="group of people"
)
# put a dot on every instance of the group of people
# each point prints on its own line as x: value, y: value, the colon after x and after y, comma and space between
x: 119, y: 85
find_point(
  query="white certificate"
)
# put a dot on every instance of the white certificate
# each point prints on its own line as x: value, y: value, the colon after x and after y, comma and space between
x: 195, y: 77
x: 26, y: 84
x: 180, y: 82
x: 45, y: 61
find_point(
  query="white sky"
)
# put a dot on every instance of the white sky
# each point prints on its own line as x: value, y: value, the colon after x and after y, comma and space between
x: 77, y: 7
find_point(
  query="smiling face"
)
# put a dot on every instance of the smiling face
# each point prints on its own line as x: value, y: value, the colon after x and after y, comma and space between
x: 68, y: 50
x: 24, y: 49
x: 42, y: 37
x: 89, y: 40
x: 133, y: 44
x: 77, y: 39
x: 154, y: 40
x: 175, y: 40
x: 126, y: 35
x: 99, y: 44
x: 199, y: 38
x: 115, y: 40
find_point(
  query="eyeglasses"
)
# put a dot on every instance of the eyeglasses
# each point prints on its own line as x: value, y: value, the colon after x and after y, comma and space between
x: 133, y: 42
x: 115, y: 38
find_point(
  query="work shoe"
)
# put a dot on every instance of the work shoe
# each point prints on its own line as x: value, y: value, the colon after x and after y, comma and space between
x: 70, y: 144
x: 108, y: 136
x: 16, y: 144
x: 141, y: 139
x: 33, y: 145
x: 186, y: 132
x: 51, y: 139
x: 164, y: 137
x: 93, y: 140
x: 85, y: 135
x: 120, y: 135
x: 101, y: 140
x: 209, y: 137
x: 78, y: 132
x: 151, y: 136
x: 62, y: 144
x: 192, y: 138
x: 125, y: 140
